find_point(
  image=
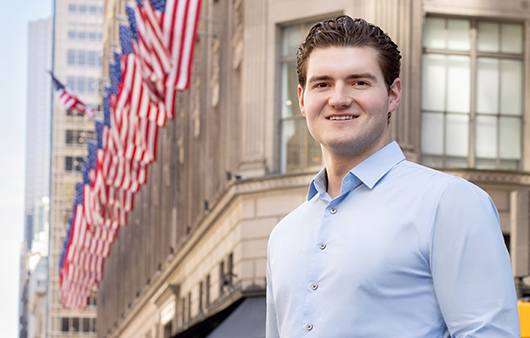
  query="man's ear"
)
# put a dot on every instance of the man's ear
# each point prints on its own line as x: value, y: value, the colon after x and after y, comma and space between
x: 301, y: 100
x: 395, y: 95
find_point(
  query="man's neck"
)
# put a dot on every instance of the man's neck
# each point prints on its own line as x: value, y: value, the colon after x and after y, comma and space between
x: 337, y: 167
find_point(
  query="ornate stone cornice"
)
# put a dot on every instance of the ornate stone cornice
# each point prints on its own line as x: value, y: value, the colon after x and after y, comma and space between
x: 492, y: 177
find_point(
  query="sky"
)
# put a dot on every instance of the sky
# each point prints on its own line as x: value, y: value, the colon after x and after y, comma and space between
x: 13, y: 58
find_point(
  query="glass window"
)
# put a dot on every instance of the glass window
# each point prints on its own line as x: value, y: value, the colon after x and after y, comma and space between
x: 92, y: 86
x: 92, y: 9
x: 71, y: 34
x: 299, y: 151
x: 92, y: 36
x: 70, y: 57
x: 80, y: 88
x: 75, y: 325
x: 81, y: 35
x: 73, y: 163
x: 71, y: 8
x: 92, y: 58
x: 65, y: 325
x: 71, y: 82
x: 81, y: 57
x: 82, y: 8
x: 460, y: 56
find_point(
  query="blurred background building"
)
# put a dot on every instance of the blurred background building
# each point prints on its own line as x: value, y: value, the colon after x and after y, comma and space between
x: 238, y: 157
x: 37, y: 176
x: 77, y: 64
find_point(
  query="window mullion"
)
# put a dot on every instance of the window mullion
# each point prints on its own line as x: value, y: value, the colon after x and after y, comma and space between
x: 473, y: 88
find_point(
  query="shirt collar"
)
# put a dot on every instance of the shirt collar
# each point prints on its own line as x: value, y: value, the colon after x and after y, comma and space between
x: 368, y: 172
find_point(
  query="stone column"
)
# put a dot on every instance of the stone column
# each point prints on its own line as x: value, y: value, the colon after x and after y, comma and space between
x: 254, y: 75
x: 520, y: 232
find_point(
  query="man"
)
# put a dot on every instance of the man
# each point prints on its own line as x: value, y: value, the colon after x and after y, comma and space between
x: 383, y: 247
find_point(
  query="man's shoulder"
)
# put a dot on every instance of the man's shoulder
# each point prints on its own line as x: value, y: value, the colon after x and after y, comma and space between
x: 420, y: 173
x: 434, y: 180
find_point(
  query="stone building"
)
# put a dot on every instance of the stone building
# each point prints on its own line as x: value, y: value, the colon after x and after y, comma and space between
x: 238, y: 157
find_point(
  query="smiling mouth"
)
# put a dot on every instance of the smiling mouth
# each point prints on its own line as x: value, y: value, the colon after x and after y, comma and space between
x: 341, y: 118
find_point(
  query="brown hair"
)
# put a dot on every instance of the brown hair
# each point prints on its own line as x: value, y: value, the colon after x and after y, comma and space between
x: 344, y: 31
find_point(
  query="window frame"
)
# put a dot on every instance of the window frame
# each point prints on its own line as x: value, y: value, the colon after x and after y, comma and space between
x: 474, y: 54
x: 305, y: 140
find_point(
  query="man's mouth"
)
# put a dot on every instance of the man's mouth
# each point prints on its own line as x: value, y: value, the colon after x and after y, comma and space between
x: 346, y: 117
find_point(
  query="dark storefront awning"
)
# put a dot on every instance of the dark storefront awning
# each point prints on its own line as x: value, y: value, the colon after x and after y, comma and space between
x: 247, y: 321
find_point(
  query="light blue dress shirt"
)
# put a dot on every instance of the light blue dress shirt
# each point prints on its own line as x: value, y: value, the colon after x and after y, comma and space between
x: 404, y: 252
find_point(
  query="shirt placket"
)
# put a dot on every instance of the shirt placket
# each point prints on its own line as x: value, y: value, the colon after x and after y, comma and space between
x: 314, y: 282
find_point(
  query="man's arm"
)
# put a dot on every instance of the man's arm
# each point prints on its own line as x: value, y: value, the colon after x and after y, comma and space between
x: 470, y: 265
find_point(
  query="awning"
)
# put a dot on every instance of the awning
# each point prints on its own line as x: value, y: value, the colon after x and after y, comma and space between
x: 247, y: 321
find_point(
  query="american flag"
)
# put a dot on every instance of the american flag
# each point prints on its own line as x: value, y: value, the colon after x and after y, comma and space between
x: 69, y: 99
x: 154, y: 63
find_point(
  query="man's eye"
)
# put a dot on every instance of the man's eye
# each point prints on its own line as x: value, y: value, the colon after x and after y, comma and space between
x: 360, y: 83
x: 321, y: 85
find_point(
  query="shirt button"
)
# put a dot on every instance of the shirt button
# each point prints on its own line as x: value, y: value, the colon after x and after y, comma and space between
x: 333, y: 210
x: 309, y: 327
x: 322, y: 246
x: 314, y: 286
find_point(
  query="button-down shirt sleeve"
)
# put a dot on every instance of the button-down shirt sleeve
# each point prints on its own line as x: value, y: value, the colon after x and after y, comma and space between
x: 470, y: 265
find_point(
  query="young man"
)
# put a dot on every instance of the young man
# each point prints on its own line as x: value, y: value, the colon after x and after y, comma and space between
x: 383, y: 247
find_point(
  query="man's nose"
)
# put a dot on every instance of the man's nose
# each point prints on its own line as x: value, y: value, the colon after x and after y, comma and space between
x: 341, y: 97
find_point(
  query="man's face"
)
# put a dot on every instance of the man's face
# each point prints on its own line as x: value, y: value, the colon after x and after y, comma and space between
x: 346, y: 102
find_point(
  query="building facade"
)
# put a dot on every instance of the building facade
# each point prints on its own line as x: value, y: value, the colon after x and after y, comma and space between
x: 38, y: 118
x: 77, y: 64
x: 238, y: 156
x: 37, y: 171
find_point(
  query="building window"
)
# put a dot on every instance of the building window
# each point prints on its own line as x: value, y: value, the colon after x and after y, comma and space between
x: 82, y: 9
x: 73, y: 112
x: 299, y: 151
x: 201, y: 296
x: 189, y: 305
x: 92, y: 58
x: 472, y: 94
x: 78, y: 136
x: 81, y: 57
x: 89, y: 325
x: 73, y: 163
x: 207, y: 291
x: 221, y: 277
x: 71, y: 35
x: 71, y: 82
x: 70, y: 57
x: 71, y: 8
x: 80, y: 88
x: 183, y: 314
x: 71, y: 325
x: 92, y: 86
x: 229, y: 270
x: 65, y: 324
x: 81, y: 35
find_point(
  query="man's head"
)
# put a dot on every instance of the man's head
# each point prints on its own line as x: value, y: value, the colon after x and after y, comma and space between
x: 347, y: 32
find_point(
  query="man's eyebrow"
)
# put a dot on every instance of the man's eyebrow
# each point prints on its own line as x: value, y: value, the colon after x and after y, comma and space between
x: 319, y: 78
x: 368, y: 76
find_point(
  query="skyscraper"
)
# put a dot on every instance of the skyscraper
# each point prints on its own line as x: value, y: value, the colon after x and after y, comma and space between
x: 38, y: 130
